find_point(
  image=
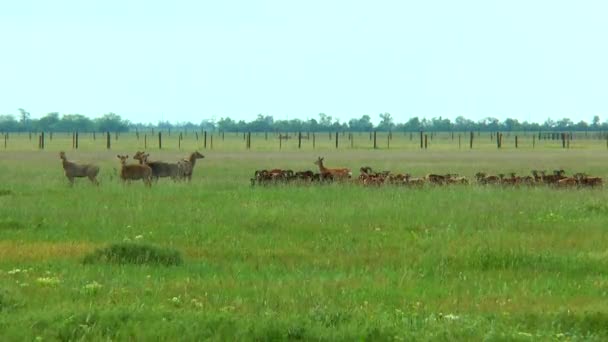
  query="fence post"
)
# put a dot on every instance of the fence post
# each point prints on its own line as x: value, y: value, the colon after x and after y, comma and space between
x: 299, y: 140
x: 336, y: 139
x: 459, y: 141
x: 160, y: 140
x: 179, y: 141
x: 211, y: 141
x: 313, y: 140
x: 425, y: 141
x: 280, y: 141
x: 471, y: 141
x: 516, y: 141
x: 76, y: 140
x: 375, y: 146
x: 421, y: 141
x: 145, y: 141
x: 108, y: 140
x: 388, y: 141
x: 205, y: 139
x: 42, y: 140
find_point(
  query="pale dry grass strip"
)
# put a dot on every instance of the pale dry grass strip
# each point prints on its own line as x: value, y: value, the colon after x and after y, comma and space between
x: 42, y: 250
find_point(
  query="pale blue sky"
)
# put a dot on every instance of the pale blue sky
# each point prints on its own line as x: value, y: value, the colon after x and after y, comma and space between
x: 191, y: 60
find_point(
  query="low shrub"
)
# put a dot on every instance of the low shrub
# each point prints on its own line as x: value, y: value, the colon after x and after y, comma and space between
x: 134, y: 253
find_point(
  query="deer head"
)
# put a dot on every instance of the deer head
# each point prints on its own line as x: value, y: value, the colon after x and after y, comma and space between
x: 123, y: 159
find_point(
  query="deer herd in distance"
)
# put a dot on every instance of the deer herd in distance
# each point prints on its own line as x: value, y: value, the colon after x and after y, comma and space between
x: 147, y: 171
x: 368, y: 177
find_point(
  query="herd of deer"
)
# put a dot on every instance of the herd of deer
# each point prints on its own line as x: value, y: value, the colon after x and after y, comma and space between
x: 145, y: 170
x: 369, y: 177
x: 182, y: 170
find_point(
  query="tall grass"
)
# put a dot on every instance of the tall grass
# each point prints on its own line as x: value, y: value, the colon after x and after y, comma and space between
x: 335, y: 262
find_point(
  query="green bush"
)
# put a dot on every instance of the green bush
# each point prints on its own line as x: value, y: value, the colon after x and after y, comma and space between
x: 134, y: 253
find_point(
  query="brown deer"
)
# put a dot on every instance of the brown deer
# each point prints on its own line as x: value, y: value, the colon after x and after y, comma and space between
x: 159, y: 169
x: 73, y: 170
x: 134, y: 171
x: 187, y: 165
x: 414, y: 181
x: 342, y: 173
x: 482, y: 178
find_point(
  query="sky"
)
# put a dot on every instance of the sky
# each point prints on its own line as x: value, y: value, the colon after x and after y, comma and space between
x: 193, y: 60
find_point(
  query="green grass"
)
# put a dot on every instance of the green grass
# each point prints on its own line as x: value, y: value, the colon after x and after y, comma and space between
x: 334, y: 262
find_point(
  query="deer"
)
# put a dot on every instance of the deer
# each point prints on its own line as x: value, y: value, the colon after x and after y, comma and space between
x: 186, y: 165
x: 342, y: 173
x: 482, y: 178
x: 159, y: 169
x: 73, y: 170
x: 134, y: 171
x: 414, y: 181
x: 554, y: 178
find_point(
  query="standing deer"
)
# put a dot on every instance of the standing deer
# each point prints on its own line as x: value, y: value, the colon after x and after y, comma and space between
x: 342, y: 173
x: 159, y: 169
x: 73, y: 170
x: 186, y: 166
x: 134, y: 171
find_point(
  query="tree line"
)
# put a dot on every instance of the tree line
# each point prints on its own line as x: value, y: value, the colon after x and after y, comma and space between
x: 54, y: 122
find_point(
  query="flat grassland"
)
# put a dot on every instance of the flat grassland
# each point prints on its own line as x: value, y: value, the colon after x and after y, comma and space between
x: 325, y: 262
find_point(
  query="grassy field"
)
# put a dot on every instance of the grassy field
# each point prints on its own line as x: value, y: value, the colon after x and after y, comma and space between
x: 332, y: 262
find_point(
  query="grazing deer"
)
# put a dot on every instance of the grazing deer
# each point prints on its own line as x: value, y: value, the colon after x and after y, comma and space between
x: 342, y: 173
x: 159, y: 169
x: 482, y: 178
x: 187, y: 165
x: 134, y: 171
x: 73, y: 170
x: 554, y: 178
x: 585, y: 180
x: 413, y: 181
x: 436, y: 179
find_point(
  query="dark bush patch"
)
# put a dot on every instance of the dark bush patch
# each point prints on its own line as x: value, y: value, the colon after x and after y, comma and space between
x: 134, y: 253
x: 4, y: 192
x: 11, y: 224
x: 7, y: 301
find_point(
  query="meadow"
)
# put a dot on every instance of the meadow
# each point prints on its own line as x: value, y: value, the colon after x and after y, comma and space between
x: 324, y: 262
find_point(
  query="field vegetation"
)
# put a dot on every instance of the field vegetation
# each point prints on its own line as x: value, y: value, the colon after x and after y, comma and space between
x: 216, y: 258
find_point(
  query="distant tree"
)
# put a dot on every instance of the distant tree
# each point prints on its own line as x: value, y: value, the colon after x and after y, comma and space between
x: 75, y: 122
x: 325, y: 121
x: 24, y: 119
x: 48, y: 122
x: 413, y: 124
x: 226, y: 125
x: 112, y: 123
x: 596, y: 122
x: 8, y: 123
x: 364, y: 124
x: 386, y: 122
